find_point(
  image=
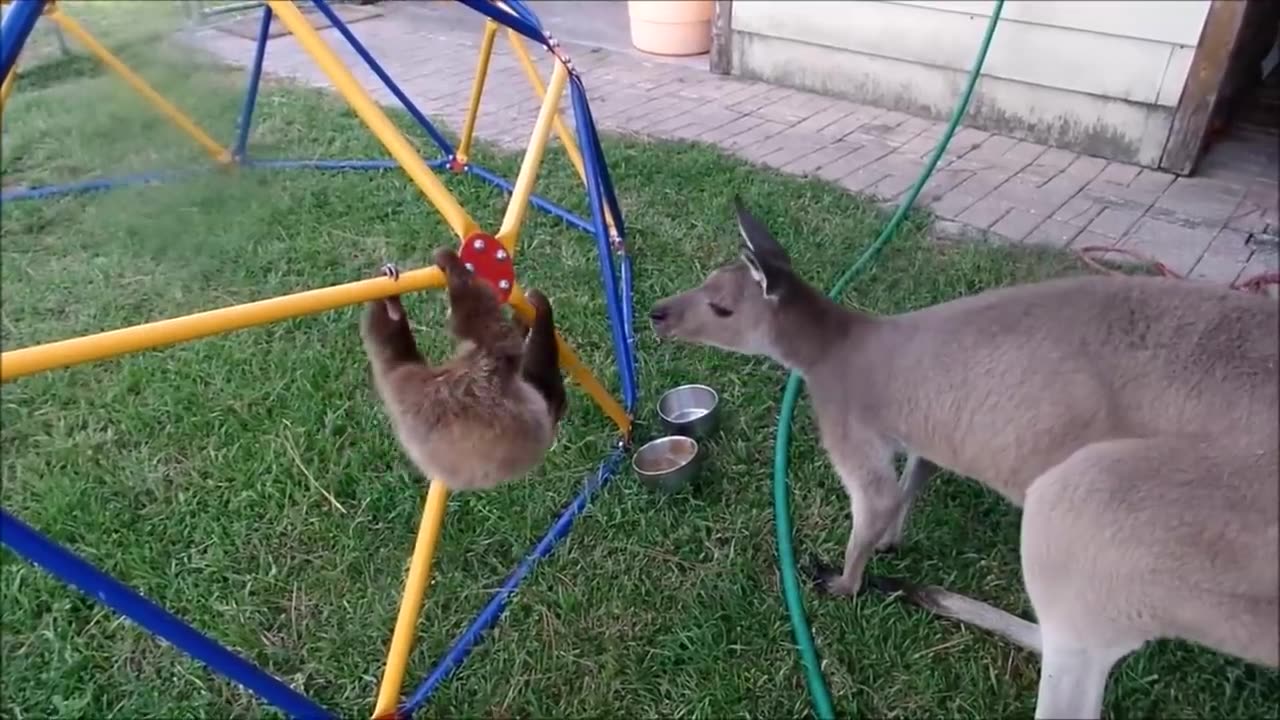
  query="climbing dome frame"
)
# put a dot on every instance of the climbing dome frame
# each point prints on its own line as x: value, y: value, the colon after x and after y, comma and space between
x: 605, y: 225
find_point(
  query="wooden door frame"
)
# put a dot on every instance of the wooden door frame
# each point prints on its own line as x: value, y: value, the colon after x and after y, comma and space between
x: 1200, y: 92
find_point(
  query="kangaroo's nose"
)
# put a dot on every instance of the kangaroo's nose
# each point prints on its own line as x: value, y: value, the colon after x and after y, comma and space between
x: 658, y: 314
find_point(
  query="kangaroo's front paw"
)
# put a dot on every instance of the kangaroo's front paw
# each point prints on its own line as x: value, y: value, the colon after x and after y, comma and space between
x: 829, y: 581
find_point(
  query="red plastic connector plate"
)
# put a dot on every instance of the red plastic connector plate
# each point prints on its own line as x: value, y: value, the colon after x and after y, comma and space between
x: 489, y: 260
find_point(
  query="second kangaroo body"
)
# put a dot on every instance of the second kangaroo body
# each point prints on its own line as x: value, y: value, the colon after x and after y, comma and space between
x: 1135, y: 420
x: 489, y: 414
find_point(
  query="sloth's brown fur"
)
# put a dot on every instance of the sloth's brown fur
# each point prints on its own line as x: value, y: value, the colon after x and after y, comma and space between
x: 487, y: 415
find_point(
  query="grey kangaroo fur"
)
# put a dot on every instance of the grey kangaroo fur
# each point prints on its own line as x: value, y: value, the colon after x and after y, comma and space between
x: 1136, y: 422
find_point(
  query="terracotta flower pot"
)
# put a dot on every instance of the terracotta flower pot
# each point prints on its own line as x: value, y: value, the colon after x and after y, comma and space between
x: 671, y: 27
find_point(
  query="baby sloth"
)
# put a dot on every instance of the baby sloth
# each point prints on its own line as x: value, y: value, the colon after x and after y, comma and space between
x: 489, y: 414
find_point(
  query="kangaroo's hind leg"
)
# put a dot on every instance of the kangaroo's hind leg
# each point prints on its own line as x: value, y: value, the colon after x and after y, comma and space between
x: 1091, y: 559
x: 540, y: 365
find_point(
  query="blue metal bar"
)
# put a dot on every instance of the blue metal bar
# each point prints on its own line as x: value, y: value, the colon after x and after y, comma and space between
x: 95, y: 184
x: 15, y: 30
x: 594, y: 141
x: 627, y: 319
x: 590, y: 140
x: 613, y: 301
x: 66, y: 566
x: 509, y: 19
x: 492, y: 611
x: 251, y: 94
x: 525, y: 13
x: 391, y: 85
x: 616, y: 304
x: 615, y: 308
x: 339, y: 164
x: 537, y: 201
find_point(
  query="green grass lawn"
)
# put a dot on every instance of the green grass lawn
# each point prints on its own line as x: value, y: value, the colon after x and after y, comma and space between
x: 199, y: 473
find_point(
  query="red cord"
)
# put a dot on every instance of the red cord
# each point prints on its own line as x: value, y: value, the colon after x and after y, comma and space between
x: 1256, y: 284
x: 1159, y: 267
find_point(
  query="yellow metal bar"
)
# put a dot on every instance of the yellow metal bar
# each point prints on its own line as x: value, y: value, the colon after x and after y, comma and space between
x: 100, y: 346
x: 166, y: 108
x: 562, y: 131
x: 7, y: 88
x: 518, y: 205
x: 75, y: 351
x: 415, y: 587
x: 373, y: 116
x: 540, y: 90
x: 477, y: 89
x: 577, y: 371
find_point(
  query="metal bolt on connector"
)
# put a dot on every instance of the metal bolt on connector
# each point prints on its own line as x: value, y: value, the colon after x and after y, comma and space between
x: 502, y: 254
x: 478, y: 244
x: 504, y: 284
x: 469, y: 267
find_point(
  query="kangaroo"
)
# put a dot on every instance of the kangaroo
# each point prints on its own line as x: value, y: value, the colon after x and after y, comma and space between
x: 489, y: 414
x: 1136, y: 422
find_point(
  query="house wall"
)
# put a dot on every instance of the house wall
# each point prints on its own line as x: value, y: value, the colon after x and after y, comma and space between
x: 1095, y: 76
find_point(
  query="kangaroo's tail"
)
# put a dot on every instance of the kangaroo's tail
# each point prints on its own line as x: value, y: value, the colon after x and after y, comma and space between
x: 941, y: 601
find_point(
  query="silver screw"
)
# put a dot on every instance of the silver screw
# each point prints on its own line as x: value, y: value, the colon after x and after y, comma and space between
x: 504, y: 284
x: 469, y: 267
x: 478, y: 244
x: 502, y: 254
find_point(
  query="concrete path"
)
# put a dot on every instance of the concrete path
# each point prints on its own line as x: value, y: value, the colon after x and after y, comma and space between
x: 1218, y: 229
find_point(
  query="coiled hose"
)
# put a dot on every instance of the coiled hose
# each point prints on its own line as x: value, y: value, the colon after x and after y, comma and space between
x: 819, y: 695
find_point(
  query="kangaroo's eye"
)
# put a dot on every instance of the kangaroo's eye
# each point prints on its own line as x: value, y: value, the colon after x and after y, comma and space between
x: 720, y: 310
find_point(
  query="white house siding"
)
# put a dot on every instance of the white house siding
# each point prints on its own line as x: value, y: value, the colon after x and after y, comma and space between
x: 1095, y: 76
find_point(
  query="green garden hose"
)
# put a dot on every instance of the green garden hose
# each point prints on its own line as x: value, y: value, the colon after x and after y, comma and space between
x: 819, y: 695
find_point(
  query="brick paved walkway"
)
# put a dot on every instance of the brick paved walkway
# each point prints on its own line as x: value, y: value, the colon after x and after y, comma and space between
x: 988, y: 185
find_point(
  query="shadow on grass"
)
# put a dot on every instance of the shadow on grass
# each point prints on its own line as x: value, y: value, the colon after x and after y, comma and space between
x: 58, y: 71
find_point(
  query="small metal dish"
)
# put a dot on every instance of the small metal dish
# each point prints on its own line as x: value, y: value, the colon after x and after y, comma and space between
x: 690, y: 410
x: 668, y: 463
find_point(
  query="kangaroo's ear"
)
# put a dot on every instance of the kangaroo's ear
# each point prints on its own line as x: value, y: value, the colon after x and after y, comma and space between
x: 766, y: 259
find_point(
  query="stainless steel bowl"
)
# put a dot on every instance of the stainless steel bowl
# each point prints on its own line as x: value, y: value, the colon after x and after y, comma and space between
x: 668, y: 463
x: 690, y: 410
